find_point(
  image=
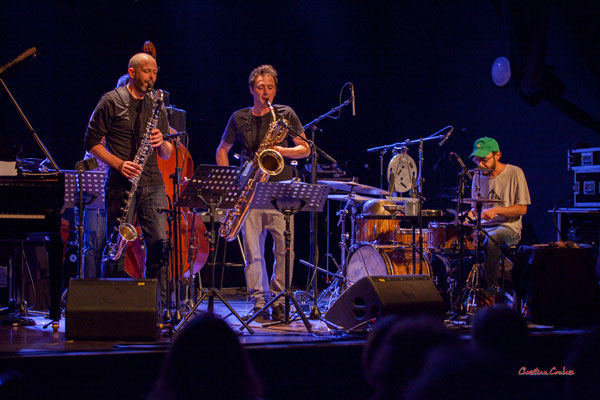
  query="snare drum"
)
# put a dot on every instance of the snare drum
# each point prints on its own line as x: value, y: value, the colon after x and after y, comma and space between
x: 381, y: 230
x: 376, y: 229
x: 404, y: 237
x: 444, y: 236
x: 371, y: 260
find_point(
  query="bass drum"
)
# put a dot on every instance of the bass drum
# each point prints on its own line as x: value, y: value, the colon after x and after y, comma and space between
x: 371, y: 260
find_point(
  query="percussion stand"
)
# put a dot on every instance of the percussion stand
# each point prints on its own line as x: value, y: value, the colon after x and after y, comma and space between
x: 434, y: 136
x: 334, y: 287
x: 459, y: 223
x: 212, y: 186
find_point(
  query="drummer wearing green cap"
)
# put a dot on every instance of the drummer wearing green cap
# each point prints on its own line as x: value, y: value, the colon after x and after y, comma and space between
x: 502, y: 221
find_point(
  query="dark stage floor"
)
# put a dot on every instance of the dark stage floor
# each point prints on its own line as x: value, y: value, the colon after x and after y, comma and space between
x: 292, y: 363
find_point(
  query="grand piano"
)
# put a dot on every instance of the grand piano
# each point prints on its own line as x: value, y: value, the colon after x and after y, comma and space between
x: 31, y: 203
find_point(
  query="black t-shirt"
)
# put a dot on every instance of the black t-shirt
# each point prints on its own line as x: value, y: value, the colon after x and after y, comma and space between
x: 248, y: 130
x: 122, y: 120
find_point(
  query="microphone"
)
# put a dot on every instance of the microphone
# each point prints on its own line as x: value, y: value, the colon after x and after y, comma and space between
x: 27, y: 53
x: 173, y: 135
x: 353, y: 99
x: 462, y: 164
x: 446, y: 137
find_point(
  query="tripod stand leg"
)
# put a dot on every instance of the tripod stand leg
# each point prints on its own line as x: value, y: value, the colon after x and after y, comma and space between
x: 244, y: 323
x: 210, y: 293
x: 304, y: 319
x: 190, y: 313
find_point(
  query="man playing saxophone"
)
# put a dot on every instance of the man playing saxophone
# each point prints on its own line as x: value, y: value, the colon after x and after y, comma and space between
x: 248, y: 127
x: 121, y: 117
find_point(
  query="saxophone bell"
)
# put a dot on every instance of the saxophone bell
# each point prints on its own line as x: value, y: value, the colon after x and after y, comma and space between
x: 126, y: 234
x: 271, y: 162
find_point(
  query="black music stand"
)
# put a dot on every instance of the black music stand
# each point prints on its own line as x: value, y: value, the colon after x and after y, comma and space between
x: 212, y: 186
x: 288, y: 199
x: 84, y: 189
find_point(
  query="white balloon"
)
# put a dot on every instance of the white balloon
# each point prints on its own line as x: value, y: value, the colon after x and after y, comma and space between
x: 501, y: 71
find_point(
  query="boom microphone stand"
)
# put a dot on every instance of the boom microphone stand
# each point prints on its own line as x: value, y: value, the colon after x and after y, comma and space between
x: 315, y: 313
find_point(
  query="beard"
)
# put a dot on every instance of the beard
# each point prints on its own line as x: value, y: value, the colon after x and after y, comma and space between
x: 140, y: 84
x: 491, y: 167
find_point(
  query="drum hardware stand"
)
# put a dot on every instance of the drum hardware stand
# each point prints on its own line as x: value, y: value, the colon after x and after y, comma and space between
x: 289, y: 199
x: 334, y: 287
x: 459, y: 223
x: 472, y: 290
x: 434, y: 136
x: 211, y: 187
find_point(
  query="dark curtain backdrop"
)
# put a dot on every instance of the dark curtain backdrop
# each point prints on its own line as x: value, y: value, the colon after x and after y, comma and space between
x: 417, y: 66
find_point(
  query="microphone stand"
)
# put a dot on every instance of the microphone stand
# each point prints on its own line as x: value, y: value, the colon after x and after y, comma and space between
x: 315, y: 313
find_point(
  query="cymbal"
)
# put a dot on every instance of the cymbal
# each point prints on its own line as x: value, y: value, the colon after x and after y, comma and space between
x: 354, y: 187
x: 475, y: 170
x: 350, y: 196
x: 480, y: 200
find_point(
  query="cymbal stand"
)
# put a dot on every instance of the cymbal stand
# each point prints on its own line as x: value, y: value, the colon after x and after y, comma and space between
x: 459, y: 223
x: 334, y: 289
x: 472, y: 292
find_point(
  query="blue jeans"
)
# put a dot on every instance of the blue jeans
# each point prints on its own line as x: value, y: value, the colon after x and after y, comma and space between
x: 505, y: 237
x: 94, y: 238
x: 254, y: 230
x: 145, y: 204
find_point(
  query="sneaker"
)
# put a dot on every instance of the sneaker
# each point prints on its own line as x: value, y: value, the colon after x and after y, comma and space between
x: 261, y: 318
x: 277, y: 313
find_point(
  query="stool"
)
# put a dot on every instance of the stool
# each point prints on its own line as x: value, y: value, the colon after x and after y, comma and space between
x: 224, y: 263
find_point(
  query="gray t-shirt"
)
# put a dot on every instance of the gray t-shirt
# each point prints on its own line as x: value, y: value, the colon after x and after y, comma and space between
x: 511, y: 187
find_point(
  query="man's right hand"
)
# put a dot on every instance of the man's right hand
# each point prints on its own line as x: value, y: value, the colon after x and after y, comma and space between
x: 129, y: 169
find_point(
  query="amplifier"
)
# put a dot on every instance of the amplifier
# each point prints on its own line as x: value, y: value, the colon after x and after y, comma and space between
x: 587, y: 187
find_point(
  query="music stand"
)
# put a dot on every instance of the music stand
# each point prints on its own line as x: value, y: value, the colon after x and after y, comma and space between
x: 212, y: 186
x: 92, y: 183
x: 288, y: 199
x: 91, y: 195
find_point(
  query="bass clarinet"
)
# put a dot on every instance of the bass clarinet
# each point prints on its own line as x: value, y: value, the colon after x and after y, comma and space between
x: 125, y: 231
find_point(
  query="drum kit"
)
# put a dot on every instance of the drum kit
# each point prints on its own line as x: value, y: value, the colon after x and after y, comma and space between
x: 385, y: 236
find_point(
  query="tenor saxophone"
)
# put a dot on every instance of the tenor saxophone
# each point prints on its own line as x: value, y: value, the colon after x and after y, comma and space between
x: 265, y: 162
x: 125, y: 231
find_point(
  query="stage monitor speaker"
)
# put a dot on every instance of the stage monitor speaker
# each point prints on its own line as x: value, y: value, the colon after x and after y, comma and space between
x: 112, y: 309
x: 374, y: 296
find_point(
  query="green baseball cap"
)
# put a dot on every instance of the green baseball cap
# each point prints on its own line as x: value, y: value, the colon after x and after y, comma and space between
x: 484, y: 146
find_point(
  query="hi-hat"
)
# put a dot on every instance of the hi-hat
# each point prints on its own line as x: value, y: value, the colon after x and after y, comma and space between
x: 480, y: 200
x: 354, y: 187
x: 350, y: 196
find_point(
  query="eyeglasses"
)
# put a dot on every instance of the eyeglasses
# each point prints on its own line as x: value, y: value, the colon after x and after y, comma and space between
x: 478, y: 160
